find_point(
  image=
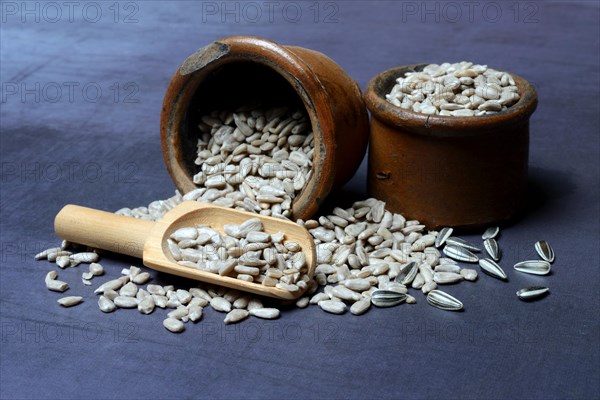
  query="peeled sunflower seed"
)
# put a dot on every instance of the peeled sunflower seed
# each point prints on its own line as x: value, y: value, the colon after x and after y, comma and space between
x: 408, y: 273
x: 96, y: 269
x: 235, y: 315
x: 332, y: 306
x: 105, y: 304
x: 492, y: 268
x: 69, y: 301
x: 86, y: 257
x: 459, y: 253
x: 360, y: 307
x: 534, y: 267
x: 264, y: 313
x: 146, y: 306
x: 545, y: 251
x: 491, y: 246
x: 387, y: 298
x: 444, y: 301
x: 220, y: 304
x: 442, y: 236
x: 53, y: 284
x: 195, y: 313
x: 462, y: 243
x: 113, y: 284
x: 125, y: 302
x: 490, y: 233
x: 173, y: 325
x: 444, y: 278
x: 44, y: 254
x: 533, y: 292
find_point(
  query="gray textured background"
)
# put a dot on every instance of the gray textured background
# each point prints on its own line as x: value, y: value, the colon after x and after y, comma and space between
x: 105, y: 153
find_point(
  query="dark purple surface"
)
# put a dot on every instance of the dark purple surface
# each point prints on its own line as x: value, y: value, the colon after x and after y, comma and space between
x: 106, y: 155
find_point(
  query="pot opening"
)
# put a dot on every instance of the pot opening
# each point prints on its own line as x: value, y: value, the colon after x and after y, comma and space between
x: 253, y: 92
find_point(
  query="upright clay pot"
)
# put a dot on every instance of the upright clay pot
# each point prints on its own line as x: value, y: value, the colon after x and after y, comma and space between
x: 241, y: 70
x: 448, y: 171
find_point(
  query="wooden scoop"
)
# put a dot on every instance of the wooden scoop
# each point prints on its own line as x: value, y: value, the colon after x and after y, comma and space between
x: 148, y: 240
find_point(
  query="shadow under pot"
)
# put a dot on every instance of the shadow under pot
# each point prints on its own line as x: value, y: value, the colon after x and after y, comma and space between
x: 242, y: 71
x: 465, y: 172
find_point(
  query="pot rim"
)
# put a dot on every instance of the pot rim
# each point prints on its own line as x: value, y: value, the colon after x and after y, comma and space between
x: 439, y: 125
x: 283, y: 61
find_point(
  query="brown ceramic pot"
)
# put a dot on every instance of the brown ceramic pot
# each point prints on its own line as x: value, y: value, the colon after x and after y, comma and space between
x: 242, y: 70
x: 448, y: 171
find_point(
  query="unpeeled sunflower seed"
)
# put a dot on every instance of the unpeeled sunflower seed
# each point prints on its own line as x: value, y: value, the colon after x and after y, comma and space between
x: 444, y: 301
x: 534, y: 267
x: 442, y: 236
x: 490, y: 233
x: 533, y: 292
x: 453, y: 240
x: 459, y: 253
x: 387, y: 298
x: 408, y: 273
x: 492, y: 268
x: 544, y: 251
x: 491, y: 246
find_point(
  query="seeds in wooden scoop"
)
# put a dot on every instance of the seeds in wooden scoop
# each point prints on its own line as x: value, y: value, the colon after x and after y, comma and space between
x: 245, y: 252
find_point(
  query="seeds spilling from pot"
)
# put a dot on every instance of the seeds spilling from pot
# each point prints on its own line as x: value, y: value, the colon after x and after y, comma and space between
x: 462, y: 89
x: 256, y: 160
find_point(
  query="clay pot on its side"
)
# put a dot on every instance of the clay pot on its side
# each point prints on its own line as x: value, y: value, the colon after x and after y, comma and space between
x: 448, y: 171
x: 242, y: 70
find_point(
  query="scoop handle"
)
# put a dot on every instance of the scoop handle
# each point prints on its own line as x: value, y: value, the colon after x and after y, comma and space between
x: 102, y: 230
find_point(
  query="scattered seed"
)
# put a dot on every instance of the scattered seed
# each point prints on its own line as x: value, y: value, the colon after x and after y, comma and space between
x: 490, y: 233
x: 105, y: 304
x: 332, y: 306
x: 442, y: 236
x: 125, y: 302
x: 70, y: 301
x: 452, y: 240
x: 544, y: 251
x: 444, y: 301
x: 534, y: 267
x: 264, y: 313
x: 492, y: 268
x: 491, y: 246
x: 235, y: 315
x: 532, y: 293
x: 173, y: 325
x: 387, y: 298
x: 459, y: 253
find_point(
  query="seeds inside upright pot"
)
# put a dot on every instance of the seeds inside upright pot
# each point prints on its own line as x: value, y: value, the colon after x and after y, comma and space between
x: 448, y: 170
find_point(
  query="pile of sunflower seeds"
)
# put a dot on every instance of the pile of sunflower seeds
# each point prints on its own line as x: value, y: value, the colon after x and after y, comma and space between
x: 244, y: 252
x: 462, y: 89
x: 366, y: 256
